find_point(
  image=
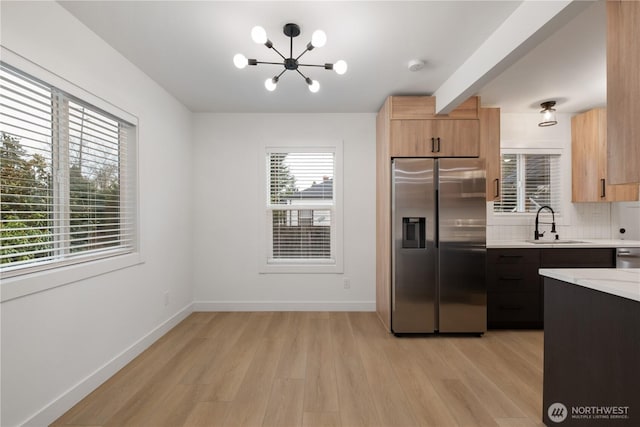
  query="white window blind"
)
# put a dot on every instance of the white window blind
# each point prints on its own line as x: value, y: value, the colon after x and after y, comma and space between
x: 66, y: 192
x: 301, y: 207
x: 529, y: 181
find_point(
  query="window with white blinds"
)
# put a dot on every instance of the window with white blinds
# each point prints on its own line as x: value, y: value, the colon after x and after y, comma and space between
x: 529, y: 181
x: 65, y: 192
x: 301, y: 207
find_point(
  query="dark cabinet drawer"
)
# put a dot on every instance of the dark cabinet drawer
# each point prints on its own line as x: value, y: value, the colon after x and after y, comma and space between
x: 512, y: 309
x: 578, y: 258
x: 513, y: 278
x: 513, y: 256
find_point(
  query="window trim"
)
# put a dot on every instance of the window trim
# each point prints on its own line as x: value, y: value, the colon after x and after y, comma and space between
x: 301, y: 266
x: 35, y: 279
x: 526, y: 218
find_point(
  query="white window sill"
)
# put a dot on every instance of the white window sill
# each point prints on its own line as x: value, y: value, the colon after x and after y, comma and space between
x: 283, y: 268
x: 19, y: 286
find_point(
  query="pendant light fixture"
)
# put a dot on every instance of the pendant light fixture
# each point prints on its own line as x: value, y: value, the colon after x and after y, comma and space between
x: 548, y: 114
x: 318, y: 39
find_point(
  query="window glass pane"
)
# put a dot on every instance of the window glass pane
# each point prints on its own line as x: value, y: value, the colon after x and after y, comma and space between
x: 300, y: 178
x: 297, y: 234
x: 529, y: 181
x: 26, y: 188
x: 94, y: 183
x: 537, y: 188
x: 509, y: 185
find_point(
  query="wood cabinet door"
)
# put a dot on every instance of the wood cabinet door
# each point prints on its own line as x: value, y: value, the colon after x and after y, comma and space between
x: 457, y: 138
x: 490, y: 149
x: 586, y: 151
x: 623, y: 91
x: 412, y: 138
x: 589, y: 182
x: 435, y: 138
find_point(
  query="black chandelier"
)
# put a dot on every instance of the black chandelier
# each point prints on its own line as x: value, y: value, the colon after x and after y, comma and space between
x: 318, y: 39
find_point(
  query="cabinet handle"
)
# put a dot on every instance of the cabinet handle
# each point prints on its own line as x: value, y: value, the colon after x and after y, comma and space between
x: 497, y: 193
x: 438, y: 144
x: 603, y: 188
x: 510, y: 256
x: 433, y: 145
x: 510, y: 278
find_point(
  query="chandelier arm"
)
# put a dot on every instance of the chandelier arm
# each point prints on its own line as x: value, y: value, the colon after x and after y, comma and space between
x: 283, y: 71
x: 303, y: 52
x: 271, y: 63
x: 303, y: 76
x: 278, y: 52
x: 312, y: 65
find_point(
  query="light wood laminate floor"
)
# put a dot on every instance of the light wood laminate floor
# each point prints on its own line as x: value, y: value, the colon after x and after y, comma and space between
x: 319, y: 369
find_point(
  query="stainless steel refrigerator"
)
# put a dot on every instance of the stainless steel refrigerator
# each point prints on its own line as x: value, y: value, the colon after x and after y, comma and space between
x: 439, y: 246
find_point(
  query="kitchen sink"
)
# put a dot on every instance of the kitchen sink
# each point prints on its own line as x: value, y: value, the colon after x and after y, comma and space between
x: 554, y: 242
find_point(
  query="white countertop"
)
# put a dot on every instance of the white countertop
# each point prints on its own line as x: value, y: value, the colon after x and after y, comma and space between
x: 623, y: 282
x: 585, y: 243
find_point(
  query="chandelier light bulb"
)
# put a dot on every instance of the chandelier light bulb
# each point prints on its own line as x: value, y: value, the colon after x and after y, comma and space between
x: 318, y: 38
x: 340, y: 67
x: 259, y: 35
x: 314, y: 86
x: 270, y: 84
x: 240, y: 61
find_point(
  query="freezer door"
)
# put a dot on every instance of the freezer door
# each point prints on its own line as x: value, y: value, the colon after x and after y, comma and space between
x: 414, y: 254
x: 462, y: 246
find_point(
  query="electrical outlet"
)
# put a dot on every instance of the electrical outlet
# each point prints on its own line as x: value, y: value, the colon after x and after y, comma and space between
x: 347, y: 283
x: 166, y: 298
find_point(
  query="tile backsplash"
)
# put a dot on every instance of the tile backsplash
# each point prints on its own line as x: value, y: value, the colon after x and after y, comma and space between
x: 578, y: 221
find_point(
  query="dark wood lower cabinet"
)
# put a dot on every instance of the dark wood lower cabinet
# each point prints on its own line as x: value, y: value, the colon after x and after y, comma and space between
x: 515, y: 291
x: 591, y: 357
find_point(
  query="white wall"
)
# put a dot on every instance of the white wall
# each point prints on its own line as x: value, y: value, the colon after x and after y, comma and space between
x: 58, y: 344
x: 577, y: 220
x: 228, y: 213
x: 625, y: 215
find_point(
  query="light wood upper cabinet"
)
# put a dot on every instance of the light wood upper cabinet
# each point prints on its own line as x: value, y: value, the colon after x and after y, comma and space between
x: 424, y: 107
x: 490, y: 149
x: 435, y: 138
x: 623, y: 91
x: 589, y: 181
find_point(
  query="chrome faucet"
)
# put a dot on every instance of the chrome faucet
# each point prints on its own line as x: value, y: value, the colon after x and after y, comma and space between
x: 537, y: 234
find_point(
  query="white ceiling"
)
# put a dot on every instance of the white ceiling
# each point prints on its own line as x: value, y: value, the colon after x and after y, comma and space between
x: 187, y: 47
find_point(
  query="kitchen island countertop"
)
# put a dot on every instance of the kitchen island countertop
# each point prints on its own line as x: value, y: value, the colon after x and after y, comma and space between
x: 622, y: 282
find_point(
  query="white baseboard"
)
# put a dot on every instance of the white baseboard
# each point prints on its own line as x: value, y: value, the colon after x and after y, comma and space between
x: 284, y: 306
x: 68, y: 399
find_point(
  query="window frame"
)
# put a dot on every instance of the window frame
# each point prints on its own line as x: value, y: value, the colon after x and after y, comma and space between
x: 525, y: 218
x: 307, y: 265
x: 36, y: 278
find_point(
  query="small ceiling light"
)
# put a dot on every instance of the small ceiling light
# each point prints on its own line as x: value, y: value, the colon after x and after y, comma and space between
x: 318, y: 39
x: 548, y: 114
x: 416, y: 65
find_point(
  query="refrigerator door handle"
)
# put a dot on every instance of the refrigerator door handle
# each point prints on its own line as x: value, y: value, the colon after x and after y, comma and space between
x: 436, y: 234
